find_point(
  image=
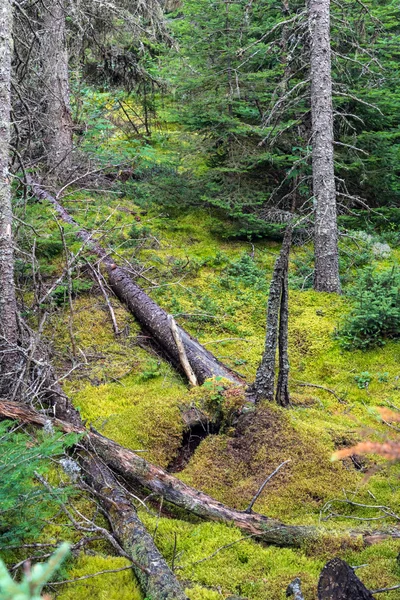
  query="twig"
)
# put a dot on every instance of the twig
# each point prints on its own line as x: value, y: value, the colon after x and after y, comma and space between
x: 321, y: 387
x: 91, y: 575
x: 98, y: 277
x: 388, y: 589
x: 250, y: 507
x: 225, y: 547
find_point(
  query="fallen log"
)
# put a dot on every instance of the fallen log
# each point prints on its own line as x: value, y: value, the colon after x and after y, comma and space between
x: 155, y: 479
x: 151, y: 317
x: 154, y: 575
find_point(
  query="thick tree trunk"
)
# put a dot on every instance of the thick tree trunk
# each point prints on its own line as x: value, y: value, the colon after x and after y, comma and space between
x: 58, y: 135
x: 136, y: 468
x: 326, y: 277
x: 155, y: 577
x: 8, y: 305
x: 151, y: 317
x: 277, y: 324
x: 339, y: 582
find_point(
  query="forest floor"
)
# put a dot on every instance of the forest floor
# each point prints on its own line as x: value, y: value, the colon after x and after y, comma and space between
x: 218, y: 289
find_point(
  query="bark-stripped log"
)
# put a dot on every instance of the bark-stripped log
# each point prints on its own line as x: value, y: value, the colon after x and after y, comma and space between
x: 150, y: 316
x: 133, y: 467
x: 155, y: 577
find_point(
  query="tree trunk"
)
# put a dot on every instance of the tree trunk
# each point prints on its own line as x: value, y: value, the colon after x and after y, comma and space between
x: 326, y: 277
x: 153, y: 478
x: 155, y: 577
x: 339, y: 582
x: 8, y: 305
x: 58, y: 134
x: 277, y: 323
x: 282, y: 387
x: 151, y: 317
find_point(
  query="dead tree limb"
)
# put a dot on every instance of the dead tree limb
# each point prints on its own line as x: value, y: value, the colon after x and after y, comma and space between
x: 136, y: 469
x: 186, y: 366
x: 151, y: 316
x: 155, y: 577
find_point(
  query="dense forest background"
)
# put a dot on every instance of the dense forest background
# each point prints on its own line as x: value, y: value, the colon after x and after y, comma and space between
x: 199, y: 246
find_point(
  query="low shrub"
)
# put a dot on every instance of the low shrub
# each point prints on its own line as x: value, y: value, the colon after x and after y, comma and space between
x: 375, y: 316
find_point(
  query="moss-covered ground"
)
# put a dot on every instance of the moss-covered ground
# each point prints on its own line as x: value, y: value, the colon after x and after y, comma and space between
x: 218, y: 289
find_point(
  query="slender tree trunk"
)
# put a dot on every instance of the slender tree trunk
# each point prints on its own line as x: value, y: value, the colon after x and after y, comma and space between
x: 326, y: 278
x: 282, y: 386
x: 277, y: 324
x: 8, y: 305
x: 58, y: 135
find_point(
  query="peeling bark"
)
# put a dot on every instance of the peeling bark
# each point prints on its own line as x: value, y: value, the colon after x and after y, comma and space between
x: 8, y: 305
x: 277, y: 332
x: 152, y: 318
x: 326, y: 276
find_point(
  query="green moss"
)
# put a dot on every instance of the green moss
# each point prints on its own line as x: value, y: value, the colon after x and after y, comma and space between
x: 107, y: 586
x: 219, y: 558
x: 201, y: 284
x: 138, y: 415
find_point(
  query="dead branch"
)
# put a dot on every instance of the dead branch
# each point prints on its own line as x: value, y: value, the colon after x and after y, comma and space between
x: 257, y: 495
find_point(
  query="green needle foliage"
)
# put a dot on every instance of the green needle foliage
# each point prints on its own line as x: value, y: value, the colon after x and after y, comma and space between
x: 33, y: 581
x: 24, y: 504
x: 376, y: 313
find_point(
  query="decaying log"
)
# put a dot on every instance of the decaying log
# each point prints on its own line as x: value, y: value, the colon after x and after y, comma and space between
x: 339, y: 582
x: 150, y: 316
x: 137, y: 469
x: 155, y: 577
x: 155, y: 479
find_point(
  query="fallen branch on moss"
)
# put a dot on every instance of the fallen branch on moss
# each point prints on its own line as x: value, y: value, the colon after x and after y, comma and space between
x: 129, y: 538
x: 138, y: 470
x: 150, y: 316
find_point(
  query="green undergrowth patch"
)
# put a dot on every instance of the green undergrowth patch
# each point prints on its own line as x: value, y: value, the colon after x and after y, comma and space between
x: 107, y: 586
x: 141, y: 415
x: 218, y: 290
x: 240, y: 566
